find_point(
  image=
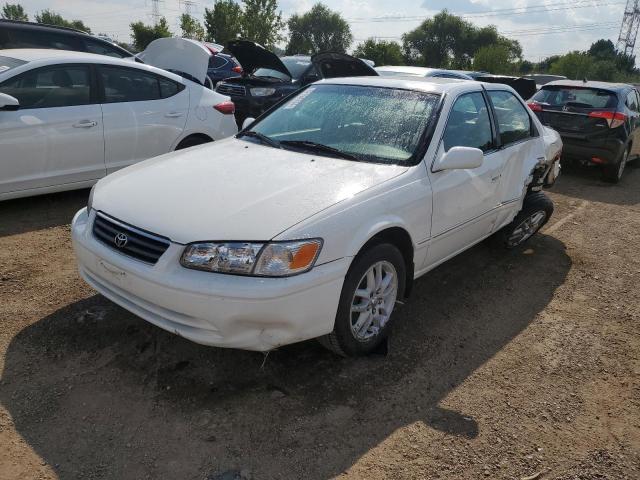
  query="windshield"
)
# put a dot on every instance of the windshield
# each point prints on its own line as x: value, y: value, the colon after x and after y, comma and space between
x: 7, y: 63
x: 589, y: 98
x: 296, y: 65
x: 372, y: 124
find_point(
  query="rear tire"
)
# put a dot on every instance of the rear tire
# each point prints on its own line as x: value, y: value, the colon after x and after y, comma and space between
x: 613, y: 173
x: 192, y: 141
x: 536, y: 211
x: 375, y: 280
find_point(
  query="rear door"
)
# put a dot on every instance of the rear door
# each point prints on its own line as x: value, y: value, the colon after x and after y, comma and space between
x: 55, y: 138
x: 144, y: 114
x: 633, y: 111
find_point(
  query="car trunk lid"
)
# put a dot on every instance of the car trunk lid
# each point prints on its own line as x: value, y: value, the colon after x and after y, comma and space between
x: 252, y: 56
x: 181, y: 56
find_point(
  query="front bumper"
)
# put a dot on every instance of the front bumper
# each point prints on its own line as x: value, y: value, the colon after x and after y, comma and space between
x: 208, y: 308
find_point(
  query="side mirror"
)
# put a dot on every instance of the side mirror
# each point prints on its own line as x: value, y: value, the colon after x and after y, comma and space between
x: 7, y: 102
x: 459, y: 158
x: 247, y: 121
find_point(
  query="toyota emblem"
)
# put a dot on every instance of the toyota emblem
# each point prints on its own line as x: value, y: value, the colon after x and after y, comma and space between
x: 120, y: 240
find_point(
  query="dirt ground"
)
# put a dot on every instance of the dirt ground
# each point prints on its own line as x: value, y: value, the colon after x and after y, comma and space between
x: 521, y: 364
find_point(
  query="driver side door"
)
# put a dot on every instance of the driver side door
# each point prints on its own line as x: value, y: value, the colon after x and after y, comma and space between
x: 465, y: 201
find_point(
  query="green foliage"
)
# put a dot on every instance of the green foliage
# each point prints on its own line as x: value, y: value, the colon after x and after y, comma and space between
x: 223, y: 22
x: 50, y: 17
x: 382, y: 52
x: 14, y: 11
x: 448, y: 41
x: 143, y: 34
x: 261, y: 22
x: 191, y: 28
x: 495, y: 59
x: 320, y: 29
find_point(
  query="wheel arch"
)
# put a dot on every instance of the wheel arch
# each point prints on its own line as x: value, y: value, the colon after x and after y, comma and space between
x: 188, y: 136
x: 400, y: 238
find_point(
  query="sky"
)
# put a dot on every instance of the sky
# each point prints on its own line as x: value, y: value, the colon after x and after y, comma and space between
x: 543, y: 27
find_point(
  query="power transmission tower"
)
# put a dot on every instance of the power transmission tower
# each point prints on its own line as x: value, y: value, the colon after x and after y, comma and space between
x: 189, y: 6
x: 155, y: 11
x: 629, y: 27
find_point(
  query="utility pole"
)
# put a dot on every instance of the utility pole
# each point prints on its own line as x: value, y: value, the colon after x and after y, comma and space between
x: 629, y: 28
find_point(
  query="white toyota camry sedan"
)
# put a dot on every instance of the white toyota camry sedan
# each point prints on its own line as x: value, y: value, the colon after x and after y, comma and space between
x: 316, y: 218
x: 69, y: 118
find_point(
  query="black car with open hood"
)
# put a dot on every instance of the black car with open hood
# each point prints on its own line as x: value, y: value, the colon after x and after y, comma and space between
x: 268, y: 78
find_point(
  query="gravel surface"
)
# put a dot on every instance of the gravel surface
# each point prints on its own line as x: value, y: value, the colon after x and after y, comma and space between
x: 515, y: 365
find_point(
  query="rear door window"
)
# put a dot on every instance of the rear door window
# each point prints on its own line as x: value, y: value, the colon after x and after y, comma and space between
x: 632, y: 101
x: 103, y: 48
x: 132, y: 85
x: 49, y: 87
x: 514, y: 123
x: 216, y: 62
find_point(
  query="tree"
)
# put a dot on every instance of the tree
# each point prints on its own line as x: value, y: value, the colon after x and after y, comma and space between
x: 143, y: 34
x: 448, y: 41
x: 14, y: 11
x: 52, y: 18
x: 319, y: 29
x: 191, y: 28
x: 261, y: 22
x: 223, y: 22
x: 576, y: 65
x: 494, y: 59
x: 382, y: 52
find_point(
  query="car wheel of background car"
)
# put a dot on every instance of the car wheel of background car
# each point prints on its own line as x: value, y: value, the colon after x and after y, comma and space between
x: 536, y: 211
x: 613, y: 173
x: 192, y: 141
x: 375, y: 280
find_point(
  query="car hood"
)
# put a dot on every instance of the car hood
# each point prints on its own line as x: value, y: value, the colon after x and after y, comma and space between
x: 232, y: 190
x: 178, y: 55
x: 525, y: 87
x: 252, y: 55
x: 336, y: 65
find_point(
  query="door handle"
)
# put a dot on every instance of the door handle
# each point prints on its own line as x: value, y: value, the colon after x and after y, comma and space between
x: 173, y: 114
x: 85, y: 124
x: 495, y: 179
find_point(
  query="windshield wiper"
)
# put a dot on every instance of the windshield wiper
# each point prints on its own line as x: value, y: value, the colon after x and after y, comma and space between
x: 319, y: 147
x: 259, y: 136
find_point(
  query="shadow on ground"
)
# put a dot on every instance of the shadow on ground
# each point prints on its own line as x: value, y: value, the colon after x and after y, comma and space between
x: 38, y: 213
x: 99, y: 393
x: 586, y: 183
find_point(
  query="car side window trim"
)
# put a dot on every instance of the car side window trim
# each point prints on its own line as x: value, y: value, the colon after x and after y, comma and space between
x: 101, y: 86
x: 93, y: 90
x: 489, y: 107
x: 533, y: 131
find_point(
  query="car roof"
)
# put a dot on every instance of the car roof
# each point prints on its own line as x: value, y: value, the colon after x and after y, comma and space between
x: 588, y: 84
x: 424, y: 84
x: 22, y: 23
x: 35, y: 57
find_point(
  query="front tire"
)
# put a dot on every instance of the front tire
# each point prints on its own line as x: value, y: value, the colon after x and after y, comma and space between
x: 536, y: 211
x: 375, y: 280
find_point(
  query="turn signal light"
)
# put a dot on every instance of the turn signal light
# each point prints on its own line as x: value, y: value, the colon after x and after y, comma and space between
x: 227, y: 108
x: 614, y: 119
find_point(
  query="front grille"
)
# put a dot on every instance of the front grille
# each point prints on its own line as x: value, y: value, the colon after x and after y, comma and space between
x: 232, y: 90
x: 129, y: 240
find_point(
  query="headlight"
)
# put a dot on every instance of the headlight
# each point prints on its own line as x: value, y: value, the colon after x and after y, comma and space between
x: 276, y: 259
x: 262, y: 92
x: 90, y: 201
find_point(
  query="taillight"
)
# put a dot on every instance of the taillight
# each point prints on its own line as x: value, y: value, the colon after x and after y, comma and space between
x: 237, y: 69
x: 614, y: 119
x: 227, y: 108
x: 535, y: 107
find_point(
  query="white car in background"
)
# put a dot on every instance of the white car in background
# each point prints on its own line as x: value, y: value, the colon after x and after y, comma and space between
x: 68, y: 118
x: 314, y: 220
